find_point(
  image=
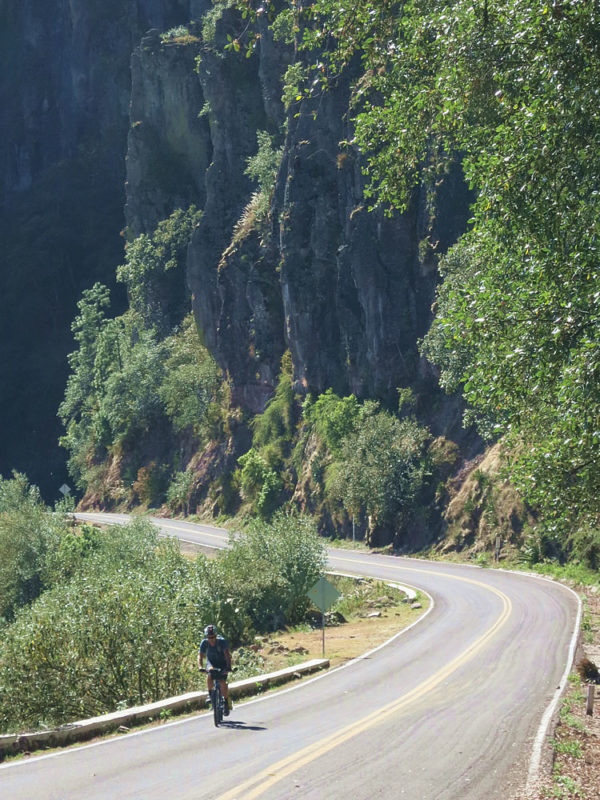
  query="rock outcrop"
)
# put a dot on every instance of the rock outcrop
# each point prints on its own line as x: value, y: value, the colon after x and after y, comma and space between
x: 344, y: 289
x: 65, y: 89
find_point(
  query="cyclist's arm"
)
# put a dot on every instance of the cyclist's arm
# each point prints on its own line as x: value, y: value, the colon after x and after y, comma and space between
x: 227, y: 655
x: 200, y: 659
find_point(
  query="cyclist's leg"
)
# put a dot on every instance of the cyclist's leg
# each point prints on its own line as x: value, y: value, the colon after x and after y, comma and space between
x: 225, y: 692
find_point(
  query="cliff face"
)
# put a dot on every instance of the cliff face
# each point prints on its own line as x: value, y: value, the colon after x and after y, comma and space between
x: 64, y: 109
x: 66, y: 78
x: 169, y: 143
x: 344, y: 289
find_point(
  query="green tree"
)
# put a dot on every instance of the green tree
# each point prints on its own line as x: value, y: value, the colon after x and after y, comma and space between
x: 381, y: 467
x: 131, y: 402
x: 153, y: 270
x: 191, y: 378
x: 87, y: 326
x: 510, y: 91
x: 334, y: 418
x: 145, y: 370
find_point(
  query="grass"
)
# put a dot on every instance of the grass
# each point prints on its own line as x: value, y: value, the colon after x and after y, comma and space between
x: 568, y: 748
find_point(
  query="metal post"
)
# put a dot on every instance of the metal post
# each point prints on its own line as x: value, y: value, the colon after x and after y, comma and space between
x: 323, y: 628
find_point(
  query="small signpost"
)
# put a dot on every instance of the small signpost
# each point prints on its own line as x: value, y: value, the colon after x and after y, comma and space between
x: 589, y: 708
x: 323, y: 594
x: 497, y: 549
x: 65, y: 490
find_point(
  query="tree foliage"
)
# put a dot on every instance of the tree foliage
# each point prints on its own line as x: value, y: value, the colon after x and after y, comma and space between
x: 334, y: 418
x: 381, y: 466
x: 28, y: 534
x: 120, y: 631
x: 259, y: 483
x: 152, y: 271
x: 190, y: 380
x: 510, y: 90
x: 274, y: 565
x: 143, y: 371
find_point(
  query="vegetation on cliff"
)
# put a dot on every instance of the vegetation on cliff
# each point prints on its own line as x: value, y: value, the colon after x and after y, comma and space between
x: 510, y: 94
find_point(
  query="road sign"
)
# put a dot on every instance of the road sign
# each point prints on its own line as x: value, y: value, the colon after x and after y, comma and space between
x: 323, y: 594
x: 65, y: 489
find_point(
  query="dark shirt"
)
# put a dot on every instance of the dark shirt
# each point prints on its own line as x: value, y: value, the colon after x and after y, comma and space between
x: 215, y: 653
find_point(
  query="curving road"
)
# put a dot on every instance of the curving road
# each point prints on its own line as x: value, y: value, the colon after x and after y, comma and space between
x: 454, y: 708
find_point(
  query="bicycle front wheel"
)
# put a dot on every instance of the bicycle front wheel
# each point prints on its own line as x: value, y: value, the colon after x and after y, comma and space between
x: 217, y: 705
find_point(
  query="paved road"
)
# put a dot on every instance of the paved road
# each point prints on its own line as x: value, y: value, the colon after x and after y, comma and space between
x: 454, y: 708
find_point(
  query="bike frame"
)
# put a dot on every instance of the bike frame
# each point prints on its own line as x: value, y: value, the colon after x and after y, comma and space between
x: 217, y: 699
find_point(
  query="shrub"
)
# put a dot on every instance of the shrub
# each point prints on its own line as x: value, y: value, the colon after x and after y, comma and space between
x: 121, y: 631
x: 585, y: 544
x: 28, y: 534
x: 381, y: 468
x: 180, y: 491
x: 334, y: 418
x: 259, y: 484
x: 272, y: 566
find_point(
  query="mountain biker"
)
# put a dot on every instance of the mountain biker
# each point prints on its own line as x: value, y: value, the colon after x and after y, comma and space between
x: 216, y: 650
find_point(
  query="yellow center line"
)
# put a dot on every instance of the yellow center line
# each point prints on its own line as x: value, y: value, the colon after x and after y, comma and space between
x: 259, y: 783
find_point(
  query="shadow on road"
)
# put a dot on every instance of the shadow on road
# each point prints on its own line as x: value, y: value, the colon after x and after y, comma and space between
x: 237, y: 725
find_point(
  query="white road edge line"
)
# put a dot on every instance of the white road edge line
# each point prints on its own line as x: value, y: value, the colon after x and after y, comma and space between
x: 536, y: 754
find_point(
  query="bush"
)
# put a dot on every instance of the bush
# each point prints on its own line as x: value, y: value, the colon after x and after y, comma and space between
x: 180, y: 491
x: 334, y: 418
x: 271, y: 566
x: 123, y: 630
x: 259, y: 484
x: 28, y: 534
x: 382, y: 466
x: 585, y: 545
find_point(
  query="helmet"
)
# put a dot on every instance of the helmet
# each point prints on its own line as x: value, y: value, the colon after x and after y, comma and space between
x: 210, y: 630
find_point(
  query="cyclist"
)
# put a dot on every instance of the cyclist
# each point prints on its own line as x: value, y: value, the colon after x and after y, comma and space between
x: 216, y: 650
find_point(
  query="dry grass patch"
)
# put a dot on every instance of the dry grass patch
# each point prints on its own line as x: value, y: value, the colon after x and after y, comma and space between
x: 373, y: 613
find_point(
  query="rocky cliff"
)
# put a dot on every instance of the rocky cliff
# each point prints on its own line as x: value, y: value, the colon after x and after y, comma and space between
x: 347, y: 291
x: 95, y: 99
x: 64, y: 111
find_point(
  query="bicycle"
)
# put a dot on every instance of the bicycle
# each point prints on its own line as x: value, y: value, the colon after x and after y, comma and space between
x: 216, y: 695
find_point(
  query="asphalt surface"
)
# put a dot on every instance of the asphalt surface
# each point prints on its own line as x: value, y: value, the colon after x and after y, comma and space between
x: 454, y: 708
